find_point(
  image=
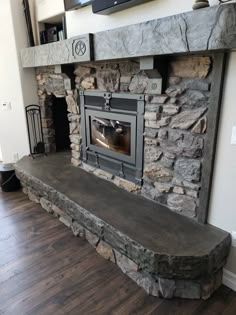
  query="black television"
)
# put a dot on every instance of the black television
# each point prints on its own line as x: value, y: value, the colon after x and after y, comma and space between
x: 111, y: 6
x: 75, y: 4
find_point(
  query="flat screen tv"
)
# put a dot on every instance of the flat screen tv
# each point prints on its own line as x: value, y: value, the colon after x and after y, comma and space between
x: 112, y: 6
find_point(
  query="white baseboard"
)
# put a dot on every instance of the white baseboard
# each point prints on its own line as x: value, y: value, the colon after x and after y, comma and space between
x: 229, y: 279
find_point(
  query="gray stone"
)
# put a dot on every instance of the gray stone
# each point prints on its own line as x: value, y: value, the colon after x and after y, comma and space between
x: 55, y: 87
x: 186, y: 184
x: 46, y: 205
x: 108, y: 80
x: 186, y: 119
x: 169, y: 109
x: 65, y: 219
x: 189, y: 289
x: 178, y: 190
x: 152, y: 193
x: 124, y: 263
x: 152, y: 116
x: 129, y: 68
x: 163, y: 134
x: 195, y: 84
x: 185, y: 205
x: 91, y: 238
x: 157, y: 172
x: 163, y: 187
x: 88, y: 168
x: 166, y: 162
x: 78, y: 230
x: 182, y: 143
x: 174, y: 80
x: 152, y: 154
x: 193, y: 99
x: 33, y: 196
x: 153, y: 108
x: 174, y: 91
x: 167, y: 288
x: 157, y: 124
x: 188, y: 169
x: 145, y: 281
x: 139, y: 83
x: 151, y: 141
x: 192, y: 193
x: 125, y: 83
x: 57, y: 211
x: 156, y: 99
x: 150, y: 133
x: 81, y: 72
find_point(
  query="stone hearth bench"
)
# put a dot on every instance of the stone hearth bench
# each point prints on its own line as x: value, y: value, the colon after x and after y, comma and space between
x: 163, y: 252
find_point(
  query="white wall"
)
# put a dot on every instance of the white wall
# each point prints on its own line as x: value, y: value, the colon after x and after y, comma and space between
x: 83, y: 21
x: 223, y: 202
x: 16, y: 85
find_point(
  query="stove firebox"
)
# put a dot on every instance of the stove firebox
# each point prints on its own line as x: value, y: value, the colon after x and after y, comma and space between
x: 112, y: 132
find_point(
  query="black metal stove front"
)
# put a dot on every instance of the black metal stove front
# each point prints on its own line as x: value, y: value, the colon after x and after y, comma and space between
x: 112, y: 132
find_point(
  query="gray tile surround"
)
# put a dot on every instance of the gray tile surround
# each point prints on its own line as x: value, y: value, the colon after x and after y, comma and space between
x: 207, y: 29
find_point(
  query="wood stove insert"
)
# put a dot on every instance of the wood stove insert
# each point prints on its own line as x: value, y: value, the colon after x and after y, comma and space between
x: 112, y: 132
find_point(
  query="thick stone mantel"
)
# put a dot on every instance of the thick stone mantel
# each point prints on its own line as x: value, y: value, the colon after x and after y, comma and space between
x: 207, y: 29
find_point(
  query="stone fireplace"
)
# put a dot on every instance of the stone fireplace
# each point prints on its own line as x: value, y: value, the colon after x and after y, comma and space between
x: 143, y: 114
x: 158, y: 118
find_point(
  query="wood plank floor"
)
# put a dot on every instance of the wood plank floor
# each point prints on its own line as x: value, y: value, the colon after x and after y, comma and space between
x: 45, y: 270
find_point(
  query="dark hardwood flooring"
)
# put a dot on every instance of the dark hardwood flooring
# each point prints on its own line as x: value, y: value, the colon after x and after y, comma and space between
x: 45, y: 270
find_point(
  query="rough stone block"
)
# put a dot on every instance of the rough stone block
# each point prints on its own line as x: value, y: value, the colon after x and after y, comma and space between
x: 65, y: 219
x: 156, y: 99
x: 178, y: 190
x: 108, y: 80
x: 74, y: 128
x: 188, y: 169
x: 46, y: 205
x: 152, y: 154
x: 190, y: 67
x: 91, y: 238
x: 139, y: 83
x: 58, y: 211
x: 88, y: 83
x: 157, y: 172
x: 174, y: 91
x: 33, y: 196
x: 157, y: 124
x: 72, y: 106
x: 186, y: 119
x: 75, y: 139
x: 167, y: 288
x: 152, y: 116
x: 77, y: 229
x: 169, y: 109
x: 201, y: 126
x: 145, y: 281
x: 105, y: 251
x: 163, y: 187
x: 127, y: 185
x: 124, y: 263
x: 75, y: 155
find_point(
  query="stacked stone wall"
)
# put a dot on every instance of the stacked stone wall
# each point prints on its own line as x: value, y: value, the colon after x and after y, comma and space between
x: 175, y: 122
